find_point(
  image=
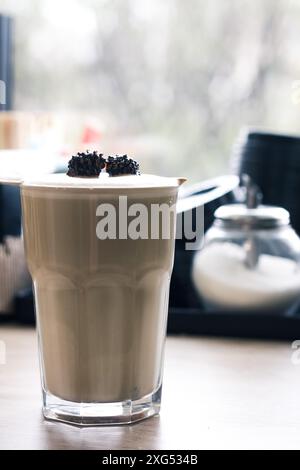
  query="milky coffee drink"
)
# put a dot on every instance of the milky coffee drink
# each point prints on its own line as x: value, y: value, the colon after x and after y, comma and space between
x: 101, y: 303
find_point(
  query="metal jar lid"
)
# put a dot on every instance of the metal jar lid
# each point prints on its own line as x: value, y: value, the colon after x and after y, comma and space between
x: 240, y: 216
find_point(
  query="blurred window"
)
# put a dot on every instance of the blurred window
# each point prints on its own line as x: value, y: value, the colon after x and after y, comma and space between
x: 171, y: 81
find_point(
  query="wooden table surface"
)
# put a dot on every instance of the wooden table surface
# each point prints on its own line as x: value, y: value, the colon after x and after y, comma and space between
x: 218, y: 394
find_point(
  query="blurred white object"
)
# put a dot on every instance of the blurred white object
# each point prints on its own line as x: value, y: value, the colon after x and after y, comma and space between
x: 250, y: 258
x: 13, y: 272
x: 17, y: 164
x: 223, y: 279
x: 30, y: 130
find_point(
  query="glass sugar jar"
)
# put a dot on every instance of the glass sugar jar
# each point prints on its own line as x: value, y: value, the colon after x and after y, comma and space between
x: 250, y: 259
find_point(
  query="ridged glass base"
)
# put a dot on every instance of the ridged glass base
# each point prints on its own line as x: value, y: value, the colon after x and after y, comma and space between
x: 100, y: 414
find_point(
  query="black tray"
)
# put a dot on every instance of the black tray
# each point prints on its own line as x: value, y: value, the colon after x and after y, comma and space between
x: 238, y: 324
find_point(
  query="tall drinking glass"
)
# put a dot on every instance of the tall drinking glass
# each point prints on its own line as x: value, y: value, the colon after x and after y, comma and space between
x: 101, y: 270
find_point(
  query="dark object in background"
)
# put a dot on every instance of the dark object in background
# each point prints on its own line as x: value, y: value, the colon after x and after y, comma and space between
x: 238, y: 324
x: 273, y: 162
x: 210, y: 195
x: 6, y: 72
x: 10, y: 208
x: 24, y: 307
x: 10, y: 211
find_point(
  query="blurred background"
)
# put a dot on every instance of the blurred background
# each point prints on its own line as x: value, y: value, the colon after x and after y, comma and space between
x: 170, y: 82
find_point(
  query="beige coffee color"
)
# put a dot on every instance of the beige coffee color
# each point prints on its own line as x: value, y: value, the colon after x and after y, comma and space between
x: 101, y: 304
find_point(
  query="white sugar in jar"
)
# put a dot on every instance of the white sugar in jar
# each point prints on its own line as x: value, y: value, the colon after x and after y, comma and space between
x: 223, y: 279
x: 249, y: 261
